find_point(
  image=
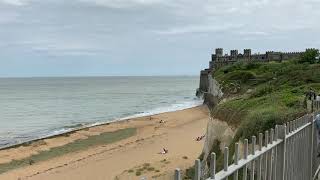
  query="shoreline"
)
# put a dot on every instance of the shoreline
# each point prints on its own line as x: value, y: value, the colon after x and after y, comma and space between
x: 92, y: 125
x: 148, y: 130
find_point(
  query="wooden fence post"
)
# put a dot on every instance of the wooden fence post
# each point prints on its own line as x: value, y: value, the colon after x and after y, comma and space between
x: 259, y: 162
x: 197, y: 167
x: 281, y: 175
x: 177, y: 174
x: 245, y: 156
x: 236, y: 159
x: 270, y: 155
x: 274, y: 174
x: 265, y: 164
x: 226, y: 159
x: 311, y: 135
x: 213, y: 166
x: 253, y: 144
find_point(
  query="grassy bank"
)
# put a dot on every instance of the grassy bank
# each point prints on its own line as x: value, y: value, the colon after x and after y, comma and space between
x: 265, y: 94
x: 261, y: 95
x: 78, y: 145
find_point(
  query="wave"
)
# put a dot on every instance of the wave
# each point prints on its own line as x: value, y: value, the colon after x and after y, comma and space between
x: 170, y: 108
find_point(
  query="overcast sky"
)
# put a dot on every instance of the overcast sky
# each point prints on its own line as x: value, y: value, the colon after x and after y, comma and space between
x: 145, y: 37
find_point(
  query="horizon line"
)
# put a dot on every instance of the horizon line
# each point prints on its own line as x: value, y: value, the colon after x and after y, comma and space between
x: 92, y: 76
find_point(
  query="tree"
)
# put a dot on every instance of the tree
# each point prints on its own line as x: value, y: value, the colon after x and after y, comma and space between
x: 310, y: 56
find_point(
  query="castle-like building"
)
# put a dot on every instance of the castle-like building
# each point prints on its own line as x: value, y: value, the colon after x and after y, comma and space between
x: 219, y: 60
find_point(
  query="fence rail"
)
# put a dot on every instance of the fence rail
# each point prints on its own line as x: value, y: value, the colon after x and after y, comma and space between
x: 287, y: 152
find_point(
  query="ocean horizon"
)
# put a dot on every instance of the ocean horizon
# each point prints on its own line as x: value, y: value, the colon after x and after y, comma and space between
x: 37, y: 107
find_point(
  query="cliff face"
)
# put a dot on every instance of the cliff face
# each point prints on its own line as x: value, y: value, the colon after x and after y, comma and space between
x: 214, y: 93
x: 217, y: 131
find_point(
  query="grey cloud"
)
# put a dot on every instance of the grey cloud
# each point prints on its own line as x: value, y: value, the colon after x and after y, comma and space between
x: 200, y: 29
x: 152, y: 31
x: 14, y: 2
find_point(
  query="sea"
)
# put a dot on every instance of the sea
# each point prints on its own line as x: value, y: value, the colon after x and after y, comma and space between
x: 33, y: 108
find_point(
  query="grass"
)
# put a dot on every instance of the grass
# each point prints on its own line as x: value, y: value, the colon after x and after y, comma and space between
x: 143, y: 169
x: 78, y: 145
x: 261, y: 95
x: 150, y: 169
x: 269, y: 94
x: 138, y: 173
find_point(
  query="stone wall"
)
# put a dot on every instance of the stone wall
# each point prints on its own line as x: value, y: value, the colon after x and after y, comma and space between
x: 219, y: 60
x: 204, y: 83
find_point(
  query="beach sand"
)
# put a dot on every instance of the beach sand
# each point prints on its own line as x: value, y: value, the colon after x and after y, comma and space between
x: 132, y: 157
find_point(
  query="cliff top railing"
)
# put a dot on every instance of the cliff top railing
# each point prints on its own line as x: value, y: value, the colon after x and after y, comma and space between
x: 287, y: 152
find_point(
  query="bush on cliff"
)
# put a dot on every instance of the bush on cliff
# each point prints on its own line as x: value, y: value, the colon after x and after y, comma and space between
x: 310, y: 56
x: 270, y: 93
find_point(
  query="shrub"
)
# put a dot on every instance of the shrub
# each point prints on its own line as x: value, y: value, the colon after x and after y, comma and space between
x: 216, y: 149
x: 189, y: 173
x: 138, y: 173
x: 310, y: 56
x: 262, y: 90
x: 242, y: 76
x: 252, y: 65
x: 259, y: 121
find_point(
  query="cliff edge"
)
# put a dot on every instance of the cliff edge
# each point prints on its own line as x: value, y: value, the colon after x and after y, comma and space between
x: 251, y: 97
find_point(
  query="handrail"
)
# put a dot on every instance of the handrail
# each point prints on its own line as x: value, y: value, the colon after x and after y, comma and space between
x: 288, y: 153
x: 232, y: 168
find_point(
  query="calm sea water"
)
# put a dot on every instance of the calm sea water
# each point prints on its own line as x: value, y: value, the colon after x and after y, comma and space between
x: 31, y: 108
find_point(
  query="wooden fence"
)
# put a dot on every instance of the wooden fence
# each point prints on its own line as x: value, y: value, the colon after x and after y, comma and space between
x: 315, y: 105
x: 287, y: 152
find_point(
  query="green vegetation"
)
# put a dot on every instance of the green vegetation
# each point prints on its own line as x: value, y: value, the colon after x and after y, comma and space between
x: 310, y: 56
x: 266, y: 94
x: 138, y: 173
x: 78, y: 145
x: 143, y: 169
x: 261, y: 95
x: 189, y: 173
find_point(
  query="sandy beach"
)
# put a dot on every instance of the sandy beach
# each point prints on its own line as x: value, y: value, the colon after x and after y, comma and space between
x: 134, y: 155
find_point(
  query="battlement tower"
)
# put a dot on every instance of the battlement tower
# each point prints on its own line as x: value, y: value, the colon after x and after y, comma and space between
x: 219, y: 52
x: 247, y: 53
x: 234, y: 53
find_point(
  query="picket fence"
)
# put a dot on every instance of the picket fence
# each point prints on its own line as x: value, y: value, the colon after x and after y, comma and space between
x: 287, y: 152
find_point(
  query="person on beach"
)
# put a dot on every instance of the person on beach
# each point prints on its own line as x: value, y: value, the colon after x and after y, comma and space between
x: 165, y: 151
x: 200, y: 138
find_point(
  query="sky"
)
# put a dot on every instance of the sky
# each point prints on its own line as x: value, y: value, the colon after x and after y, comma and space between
x: 145, y: 37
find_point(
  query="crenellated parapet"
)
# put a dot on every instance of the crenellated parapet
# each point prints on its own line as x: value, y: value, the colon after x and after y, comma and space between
x: 219, y: 59
x: 292, y: 52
